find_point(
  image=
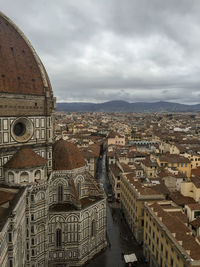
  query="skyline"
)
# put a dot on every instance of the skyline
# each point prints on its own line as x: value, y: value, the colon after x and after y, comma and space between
x: 97, y: 51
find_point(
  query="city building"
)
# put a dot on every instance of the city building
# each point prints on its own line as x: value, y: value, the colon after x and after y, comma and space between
x: 133, y: 195
x: 180, y: 163
x: 168, y: 241
x: 115, y: 138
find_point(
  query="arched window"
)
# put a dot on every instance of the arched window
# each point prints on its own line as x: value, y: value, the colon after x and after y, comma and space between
x: 24, y: 177
x: 60, y: 193
x: 10, y: 177
x: 58, y: 238
x: 38, y: 174
x: 93, y: 228
x: 41, y: 196
x: 79, y: 189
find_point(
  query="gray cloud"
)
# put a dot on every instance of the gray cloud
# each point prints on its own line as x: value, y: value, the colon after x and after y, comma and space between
x: 103, y: 50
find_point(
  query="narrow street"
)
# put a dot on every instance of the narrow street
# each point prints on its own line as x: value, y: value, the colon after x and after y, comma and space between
x: 119, y: 236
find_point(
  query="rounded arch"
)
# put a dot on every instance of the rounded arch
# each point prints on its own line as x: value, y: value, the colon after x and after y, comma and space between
x: 38, y: 174
x: 57, y: 218
x: 72, y: 218
x: 86, y: 214
x: 40, y: 195
x: 24, y: 177
x: 10, y: 177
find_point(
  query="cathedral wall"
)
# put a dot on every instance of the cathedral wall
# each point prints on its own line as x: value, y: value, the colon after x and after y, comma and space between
x: 36, y: 218
x: 25, y: 175
x: 83, y: 234
x: 21, y: 104
x: 40, y: 132
x: 40, y: 139
x: 31, y: 106
x: 12, y: 236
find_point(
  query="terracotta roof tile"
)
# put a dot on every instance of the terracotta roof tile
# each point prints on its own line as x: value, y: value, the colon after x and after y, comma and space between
x: 113, y: 134
x: 115, y: 169
x: 196, y: 171
x: 172, y: 158
x: 6, y: 196
x: 67, y: 156
x: 25, y: 158
x: 194, y: 206
x: 19, y: 70
x: 196, y: 181
x: 181, y: 200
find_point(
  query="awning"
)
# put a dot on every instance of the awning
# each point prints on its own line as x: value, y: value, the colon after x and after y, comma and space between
x: 130, y: 258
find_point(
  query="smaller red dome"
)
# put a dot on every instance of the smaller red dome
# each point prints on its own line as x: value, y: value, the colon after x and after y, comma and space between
x: 67, y: 156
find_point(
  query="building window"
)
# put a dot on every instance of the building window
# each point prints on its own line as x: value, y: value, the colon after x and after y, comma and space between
x: 32, y: 198
x: 79, y: 189
x: 32, y: 229
x: 10, y: 263
x: 5, y: 124
x: 24, y: 177
x: 60, y: 193
x: 93, y: 228
x: 10, y: 177
x: 166, y: 254
x: 58, y: 238
x: 9, y: 237
x: 38, y: 174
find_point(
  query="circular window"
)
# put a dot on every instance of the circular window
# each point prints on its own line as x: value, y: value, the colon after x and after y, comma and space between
x: 19, y: 129
x: 22, y: 129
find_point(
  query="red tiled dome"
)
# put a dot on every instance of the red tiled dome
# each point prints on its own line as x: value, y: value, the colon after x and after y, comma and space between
x: 21, y: 70
x: 67, y: 156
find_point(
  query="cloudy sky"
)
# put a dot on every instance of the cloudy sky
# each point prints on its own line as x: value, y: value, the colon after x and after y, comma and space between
x: 101, y: 50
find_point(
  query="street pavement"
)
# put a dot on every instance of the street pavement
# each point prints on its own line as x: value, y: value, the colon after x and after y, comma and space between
x: 120, y: 238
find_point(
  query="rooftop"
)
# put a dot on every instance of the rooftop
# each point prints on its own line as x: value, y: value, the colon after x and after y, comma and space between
x: 25, y: 158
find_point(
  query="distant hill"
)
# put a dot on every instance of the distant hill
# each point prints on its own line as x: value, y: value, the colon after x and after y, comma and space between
x: 123, y: 106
